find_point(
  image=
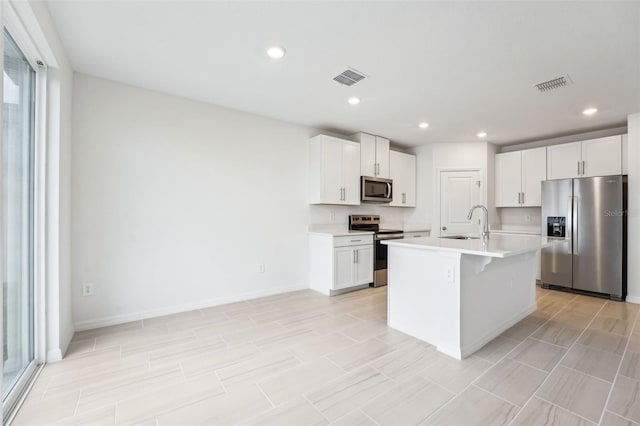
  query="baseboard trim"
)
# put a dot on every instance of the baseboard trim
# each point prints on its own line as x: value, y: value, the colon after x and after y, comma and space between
x: 58, y: 353
x: 633, y: 299
x: 152, y: 313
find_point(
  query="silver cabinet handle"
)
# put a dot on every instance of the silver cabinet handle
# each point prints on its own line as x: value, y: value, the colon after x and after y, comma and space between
x: 356, y: 241
x: 519, y: 198
x: 344, y: 194
x: 578, y: 168
x: 404, y: 198
x: 584, y: 163
x: 444, y: 228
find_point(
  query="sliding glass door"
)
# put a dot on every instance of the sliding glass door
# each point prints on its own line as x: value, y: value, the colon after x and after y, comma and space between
x: 18, y: 172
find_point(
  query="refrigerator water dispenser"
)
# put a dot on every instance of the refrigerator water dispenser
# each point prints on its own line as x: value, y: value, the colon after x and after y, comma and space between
x: 556, y: 226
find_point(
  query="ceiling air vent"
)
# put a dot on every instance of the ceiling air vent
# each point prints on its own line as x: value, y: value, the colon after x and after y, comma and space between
x: 556, y: 83
x: 349, y: 77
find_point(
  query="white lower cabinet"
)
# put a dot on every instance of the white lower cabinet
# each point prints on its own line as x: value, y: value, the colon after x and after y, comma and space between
x: 340, y: 263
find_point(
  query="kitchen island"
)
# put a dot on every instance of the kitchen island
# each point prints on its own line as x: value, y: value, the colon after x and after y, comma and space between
x: 460, y: 294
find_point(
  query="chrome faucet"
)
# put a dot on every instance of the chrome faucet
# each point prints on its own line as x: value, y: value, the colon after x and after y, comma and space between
x: 485, y: 232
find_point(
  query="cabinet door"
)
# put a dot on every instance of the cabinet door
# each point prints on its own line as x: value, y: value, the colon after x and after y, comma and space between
x: 343, y: 267
x: 367, y: 155
x: 534, y: 171
x: 602, y: 156
x: 351, y: 172
x: 563, y: 160
x: 625, y: 153
x: 402, y: 170
x: 382, y: 157
x: 363, y: 268
x: 331, y: 170
x: 508, y: 176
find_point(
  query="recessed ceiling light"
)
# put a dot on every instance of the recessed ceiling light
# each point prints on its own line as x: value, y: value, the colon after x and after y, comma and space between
x: 482, y: 135
x: 276, y: 52
x: 353, y: 101
x: 423, y: 125
x: 590, y: 111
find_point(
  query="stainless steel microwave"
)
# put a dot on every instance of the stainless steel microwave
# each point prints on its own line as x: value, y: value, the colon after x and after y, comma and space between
x: 376, y: 190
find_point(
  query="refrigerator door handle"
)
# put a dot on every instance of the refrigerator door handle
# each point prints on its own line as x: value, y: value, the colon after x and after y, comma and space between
x: 570, y: 225
x: 574, y: 226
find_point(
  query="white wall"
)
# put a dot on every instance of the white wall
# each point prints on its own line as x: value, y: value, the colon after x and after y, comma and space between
x: 175, y: 202
x: 633, y: 219
x: 440, y: 156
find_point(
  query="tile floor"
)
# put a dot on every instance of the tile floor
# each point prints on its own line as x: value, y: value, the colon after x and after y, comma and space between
x: 305, y: 359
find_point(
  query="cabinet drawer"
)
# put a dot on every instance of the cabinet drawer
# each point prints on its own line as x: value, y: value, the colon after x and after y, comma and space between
x: 352, y: 240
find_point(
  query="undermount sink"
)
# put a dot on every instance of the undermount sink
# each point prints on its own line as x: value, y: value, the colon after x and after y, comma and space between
x: 460, y: 237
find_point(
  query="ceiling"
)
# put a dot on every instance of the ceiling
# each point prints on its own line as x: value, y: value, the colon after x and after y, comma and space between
x: 462, y: 67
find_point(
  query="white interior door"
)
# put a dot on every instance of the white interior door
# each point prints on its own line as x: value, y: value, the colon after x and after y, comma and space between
x: 459, y: 191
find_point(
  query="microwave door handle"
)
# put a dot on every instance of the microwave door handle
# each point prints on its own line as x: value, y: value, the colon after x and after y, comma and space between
x: 388, y: 195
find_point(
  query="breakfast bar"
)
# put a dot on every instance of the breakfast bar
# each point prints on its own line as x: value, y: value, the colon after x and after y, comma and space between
x: 459, y: 293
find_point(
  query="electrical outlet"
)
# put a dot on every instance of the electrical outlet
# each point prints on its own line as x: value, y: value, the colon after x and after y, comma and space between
x: 87, y: 289
x: 527, y: 218
x: 260, y: 268
x: 450, y: 274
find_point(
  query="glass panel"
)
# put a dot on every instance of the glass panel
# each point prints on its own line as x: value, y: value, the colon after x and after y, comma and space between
x: 17, y: 213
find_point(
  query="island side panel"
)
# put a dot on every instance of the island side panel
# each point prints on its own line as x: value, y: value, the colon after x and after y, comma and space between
x: 422, y: 301
x: 496, y: 294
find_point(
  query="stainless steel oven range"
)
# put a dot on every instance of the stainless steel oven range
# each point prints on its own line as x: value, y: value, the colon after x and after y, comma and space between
x: 371, y: 222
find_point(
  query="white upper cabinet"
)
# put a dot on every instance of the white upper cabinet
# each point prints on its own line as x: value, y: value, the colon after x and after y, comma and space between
x: 374, y: 155
x: 534, y: 171
x: 625, y: 150
x: 518, y: 177
x: 602, y: 156
x: 508, y: 185
x: 563, y: 161
x: 334, y: 171
x: 594, y: 157
x: 402, y: 169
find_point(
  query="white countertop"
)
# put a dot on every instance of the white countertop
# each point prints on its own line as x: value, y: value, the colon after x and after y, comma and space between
x: 498, y: 245
x: 335, y: 230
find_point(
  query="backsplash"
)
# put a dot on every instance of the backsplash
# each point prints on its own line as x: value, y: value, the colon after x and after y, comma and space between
x: 339, y: 215
x: 520, y: 216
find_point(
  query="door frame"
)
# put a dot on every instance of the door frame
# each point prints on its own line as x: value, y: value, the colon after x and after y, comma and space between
x: 437, y: 192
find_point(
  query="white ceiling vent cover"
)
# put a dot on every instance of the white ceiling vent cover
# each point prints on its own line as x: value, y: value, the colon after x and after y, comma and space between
x: 555, y: 83
x: 349, y: 77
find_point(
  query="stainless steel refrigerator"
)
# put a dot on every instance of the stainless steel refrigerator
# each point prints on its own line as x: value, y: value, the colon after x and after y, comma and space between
x: 590, y: 213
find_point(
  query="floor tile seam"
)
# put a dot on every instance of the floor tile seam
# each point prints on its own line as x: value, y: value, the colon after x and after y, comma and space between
x: 505, y: 356
x: 565, y: 409
x: 273, y: 406
x: 620, y: 415
x: 587, y: 374
x: 367, y: 416
x: 75, y: 410
x: 560, y: 362
x: 615, y: 378
x: 547, y: 343
x: 530, y: 366
x: 499, y: 397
